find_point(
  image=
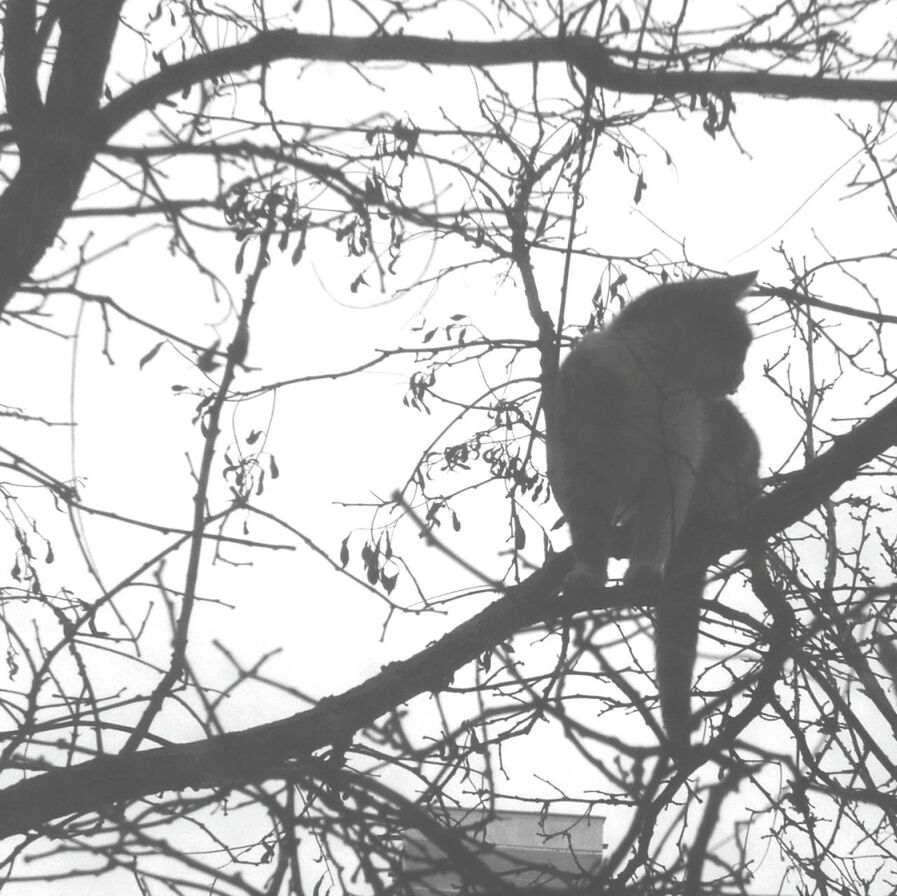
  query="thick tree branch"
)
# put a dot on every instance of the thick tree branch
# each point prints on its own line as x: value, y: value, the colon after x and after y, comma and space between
x: 42, y: 193
x: 807, y: 489
x: 20, y: 69
x: 56, y: 146
x: 586, y: 54
x: 236, y: 756
x: 87, y: 31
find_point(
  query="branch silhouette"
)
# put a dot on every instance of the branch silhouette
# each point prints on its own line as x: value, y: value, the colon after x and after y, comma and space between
x: 234, y: 757
x: 59, y: 139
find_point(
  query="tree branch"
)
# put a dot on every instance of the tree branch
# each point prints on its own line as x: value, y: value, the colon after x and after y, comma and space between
x: 22, y: 96
x: 87, y: 31
x: 584, y: 53
x: 235, y: 756
x: 42, y: 193
x: 57, y: 146
x: 807, y: 489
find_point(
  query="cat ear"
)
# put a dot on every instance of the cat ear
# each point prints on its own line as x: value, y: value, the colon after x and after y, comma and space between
x: 735, y: 287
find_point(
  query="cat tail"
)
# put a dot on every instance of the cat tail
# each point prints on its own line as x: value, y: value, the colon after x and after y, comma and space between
x: 676, y: 644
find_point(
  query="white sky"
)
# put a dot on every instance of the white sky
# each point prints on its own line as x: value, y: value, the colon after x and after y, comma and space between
x: 345, y: 440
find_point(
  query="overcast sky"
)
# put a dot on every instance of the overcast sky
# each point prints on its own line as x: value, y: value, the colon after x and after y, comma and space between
x: 346, y: 440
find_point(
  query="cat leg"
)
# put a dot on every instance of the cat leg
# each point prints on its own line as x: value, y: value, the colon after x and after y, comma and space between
x: 662, y: 505
x: 590, y: 534
x: 651, y: 529
x: 588, y: 461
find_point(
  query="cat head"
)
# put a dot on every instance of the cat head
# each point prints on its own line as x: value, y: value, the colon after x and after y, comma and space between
x: 701, y: 295
x: 700, y: 334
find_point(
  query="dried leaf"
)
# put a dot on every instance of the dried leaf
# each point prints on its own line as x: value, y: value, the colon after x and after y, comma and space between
x: 150, y: 355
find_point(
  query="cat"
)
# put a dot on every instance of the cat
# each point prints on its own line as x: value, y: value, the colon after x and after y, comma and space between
x: 727, y: 482
x: 641, y: 436
x: 628, y: 421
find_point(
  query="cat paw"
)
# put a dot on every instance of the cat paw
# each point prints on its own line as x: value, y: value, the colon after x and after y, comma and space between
x: 644, y: 579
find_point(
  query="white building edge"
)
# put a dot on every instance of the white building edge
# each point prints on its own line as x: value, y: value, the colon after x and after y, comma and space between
x: 528, y: 850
